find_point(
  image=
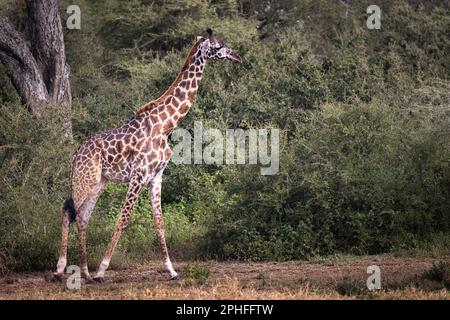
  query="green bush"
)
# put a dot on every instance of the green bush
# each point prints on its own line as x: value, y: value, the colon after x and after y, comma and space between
x: 34, y: 171
x: 354, y: 178
x: 195, y: 274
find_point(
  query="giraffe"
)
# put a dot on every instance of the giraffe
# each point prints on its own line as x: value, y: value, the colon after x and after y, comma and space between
x: 135, y: 153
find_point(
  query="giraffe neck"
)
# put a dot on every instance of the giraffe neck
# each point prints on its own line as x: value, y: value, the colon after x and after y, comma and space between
x: 175, y: 103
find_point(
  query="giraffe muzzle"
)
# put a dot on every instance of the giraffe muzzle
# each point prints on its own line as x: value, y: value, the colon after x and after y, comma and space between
x: 235, y: 57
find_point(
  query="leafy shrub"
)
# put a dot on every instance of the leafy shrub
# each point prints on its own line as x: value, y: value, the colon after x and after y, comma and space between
x: 439, y: 272
x: 352, y: 180
x: 195, y: 273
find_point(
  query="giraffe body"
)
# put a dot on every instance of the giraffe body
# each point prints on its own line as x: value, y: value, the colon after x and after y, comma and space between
x: 135, y: 153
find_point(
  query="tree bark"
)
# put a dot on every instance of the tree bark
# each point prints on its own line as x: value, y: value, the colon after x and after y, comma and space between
x: 40, y: 75
x: 24, y: 71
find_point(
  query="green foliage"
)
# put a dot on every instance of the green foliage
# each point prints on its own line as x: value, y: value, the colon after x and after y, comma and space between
x: 349, y: 287
x: 33, y: 184
x: 439, y: 272
x: 363, y: 114
x: 353, y: 179
x: 195, y: 273
x: 437, y: 277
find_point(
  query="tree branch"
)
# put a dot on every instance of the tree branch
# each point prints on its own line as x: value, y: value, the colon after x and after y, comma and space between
x: 24, y: 71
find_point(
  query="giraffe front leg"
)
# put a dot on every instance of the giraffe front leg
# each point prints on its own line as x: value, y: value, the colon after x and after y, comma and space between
x: 155, y: 195
x: 134, y: 189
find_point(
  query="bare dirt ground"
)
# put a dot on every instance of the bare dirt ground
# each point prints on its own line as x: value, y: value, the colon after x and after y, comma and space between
x: 342, y: 278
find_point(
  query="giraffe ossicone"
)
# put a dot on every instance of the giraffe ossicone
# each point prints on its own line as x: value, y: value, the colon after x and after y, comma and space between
x: 135, y: 153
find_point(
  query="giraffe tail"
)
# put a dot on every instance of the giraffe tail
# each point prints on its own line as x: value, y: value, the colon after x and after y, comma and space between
x: 69, y: 204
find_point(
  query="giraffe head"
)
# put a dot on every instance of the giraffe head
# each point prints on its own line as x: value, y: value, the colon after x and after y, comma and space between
x: 215, y: 49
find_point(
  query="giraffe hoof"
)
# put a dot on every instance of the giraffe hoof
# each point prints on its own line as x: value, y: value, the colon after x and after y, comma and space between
x: 175, y: 278
x: 97, y: 280
x: 88, y: 280
x: 56, y: 277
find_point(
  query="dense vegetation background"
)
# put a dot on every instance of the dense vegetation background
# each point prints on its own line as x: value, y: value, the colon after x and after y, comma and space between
x: 363, y: 114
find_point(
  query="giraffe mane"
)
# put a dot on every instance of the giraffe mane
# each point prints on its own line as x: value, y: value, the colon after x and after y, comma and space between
x: 150, y: 105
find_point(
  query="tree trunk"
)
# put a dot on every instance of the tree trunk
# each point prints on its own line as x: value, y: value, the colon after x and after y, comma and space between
x: 24, y: 71
x: 40, y: 75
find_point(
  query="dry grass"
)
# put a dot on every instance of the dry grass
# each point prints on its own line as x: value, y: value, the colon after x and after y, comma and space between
x: 401, y: 279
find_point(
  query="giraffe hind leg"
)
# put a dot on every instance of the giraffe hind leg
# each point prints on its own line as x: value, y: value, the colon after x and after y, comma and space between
x: 82, y: 221
x: 81, y: 216
x: 62, y: 261
x: 86, y: 171
x: 68, y: 214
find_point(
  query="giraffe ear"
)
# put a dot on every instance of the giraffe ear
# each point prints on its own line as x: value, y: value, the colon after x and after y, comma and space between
x: 210, y: 32
x: 200, y: 38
